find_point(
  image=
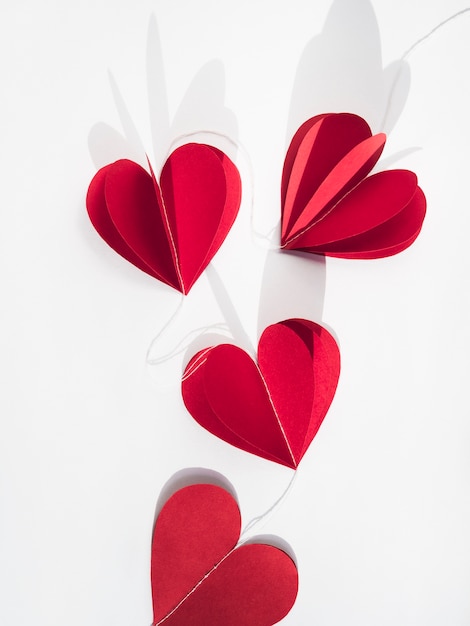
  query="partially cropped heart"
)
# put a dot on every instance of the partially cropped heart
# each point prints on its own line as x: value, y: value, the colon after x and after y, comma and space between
x: 199, y: 575
x: 331, y: 207
x: 274, y: 408
x: 171, y: 229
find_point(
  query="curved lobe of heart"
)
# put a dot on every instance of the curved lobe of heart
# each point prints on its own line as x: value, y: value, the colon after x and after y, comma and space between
x: 343, y: 177
x: 384, y: 240
x: 318, y: 145
x: 232, y: 201
x: 181, y: 542
x: 199, y: 576
x: 101, y: 218
x: 238, y: 396
x: 327, y: 199
x: 326, y: 367
x: 183, y: 178
x: 272, y: 409
x: 196, y: 402
x: 136, y: 212
x: 171, y: 229
x: 287, y: 368
x: 388, y: 191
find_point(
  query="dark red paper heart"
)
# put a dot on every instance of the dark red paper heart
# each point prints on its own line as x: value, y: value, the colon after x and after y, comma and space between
x: 274, y: 408
x: 172, y: 229
x: 330, y: 206
x: 199, y: 576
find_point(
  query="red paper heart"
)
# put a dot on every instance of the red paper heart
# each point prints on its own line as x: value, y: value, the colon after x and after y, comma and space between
x: 173, y: 229
x: 199, y: 576
x: 329, y: 207
x: 274, y: 408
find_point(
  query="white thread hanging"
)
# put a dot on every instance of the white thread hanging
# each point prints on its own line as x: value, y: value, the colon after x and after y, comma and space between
x: 263, y: 517
x: 155, y: 340
x: 411, y: 49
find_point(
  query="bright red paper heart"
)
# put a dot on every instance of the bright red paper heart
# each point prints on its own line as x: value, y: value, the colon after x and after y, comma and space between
x: 329, y: 207
x: 170, y: 230
x: 199, y: 576
x: 274, y: 408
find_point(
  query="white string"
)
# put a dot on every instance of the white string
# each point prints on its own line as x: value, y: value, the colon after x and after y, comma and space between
x: 180, y: 347
x: 158, y: 336
x: 433, y: 30
x: 411, y: 49
x: 196, y: 133
x: 259, y: 519
x: 272, y: 236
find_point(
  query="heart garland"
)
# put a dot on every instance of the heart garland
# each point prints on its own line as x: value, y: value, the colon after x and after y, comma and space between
x: 173, y: 228
x: 199, y: 575
x: 330, y: 206
x: 274, y: 408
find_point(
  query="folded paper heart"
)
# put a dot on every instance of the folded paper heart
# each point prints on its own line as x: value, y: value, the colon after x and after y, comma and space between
x: 272, y: 408
x: 330, y: 206
x: 199, y: 575
x: 169, y: 229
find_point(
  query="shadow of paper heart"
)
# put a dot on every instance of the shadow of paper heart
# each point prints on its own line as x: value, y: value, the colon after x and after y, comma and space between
x: 293, y: 285
x: 202, y: 108
x: 196, y: 339
x: 274, y: 540
x: 341, y: 70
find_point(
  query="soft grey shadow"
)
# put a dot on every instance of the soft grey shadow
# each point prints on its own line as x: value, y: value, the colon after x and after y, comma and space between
x: 235, y: 331
x: 157, y: 92
x: 202, y: 341
x: 293, y: 285
x: 107, y: 145
x: 202, y: 109
x: 228, y: 309
x: 203, y: 105
x: 341, y: 70
x: 192, y: 476
x: 397, y: 83
x: 277, y: 542
x: 386, y: 163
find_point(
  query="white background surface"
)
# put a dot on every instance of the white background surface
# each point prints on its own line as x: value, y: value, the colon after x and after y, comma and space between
x: 378, y: 516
